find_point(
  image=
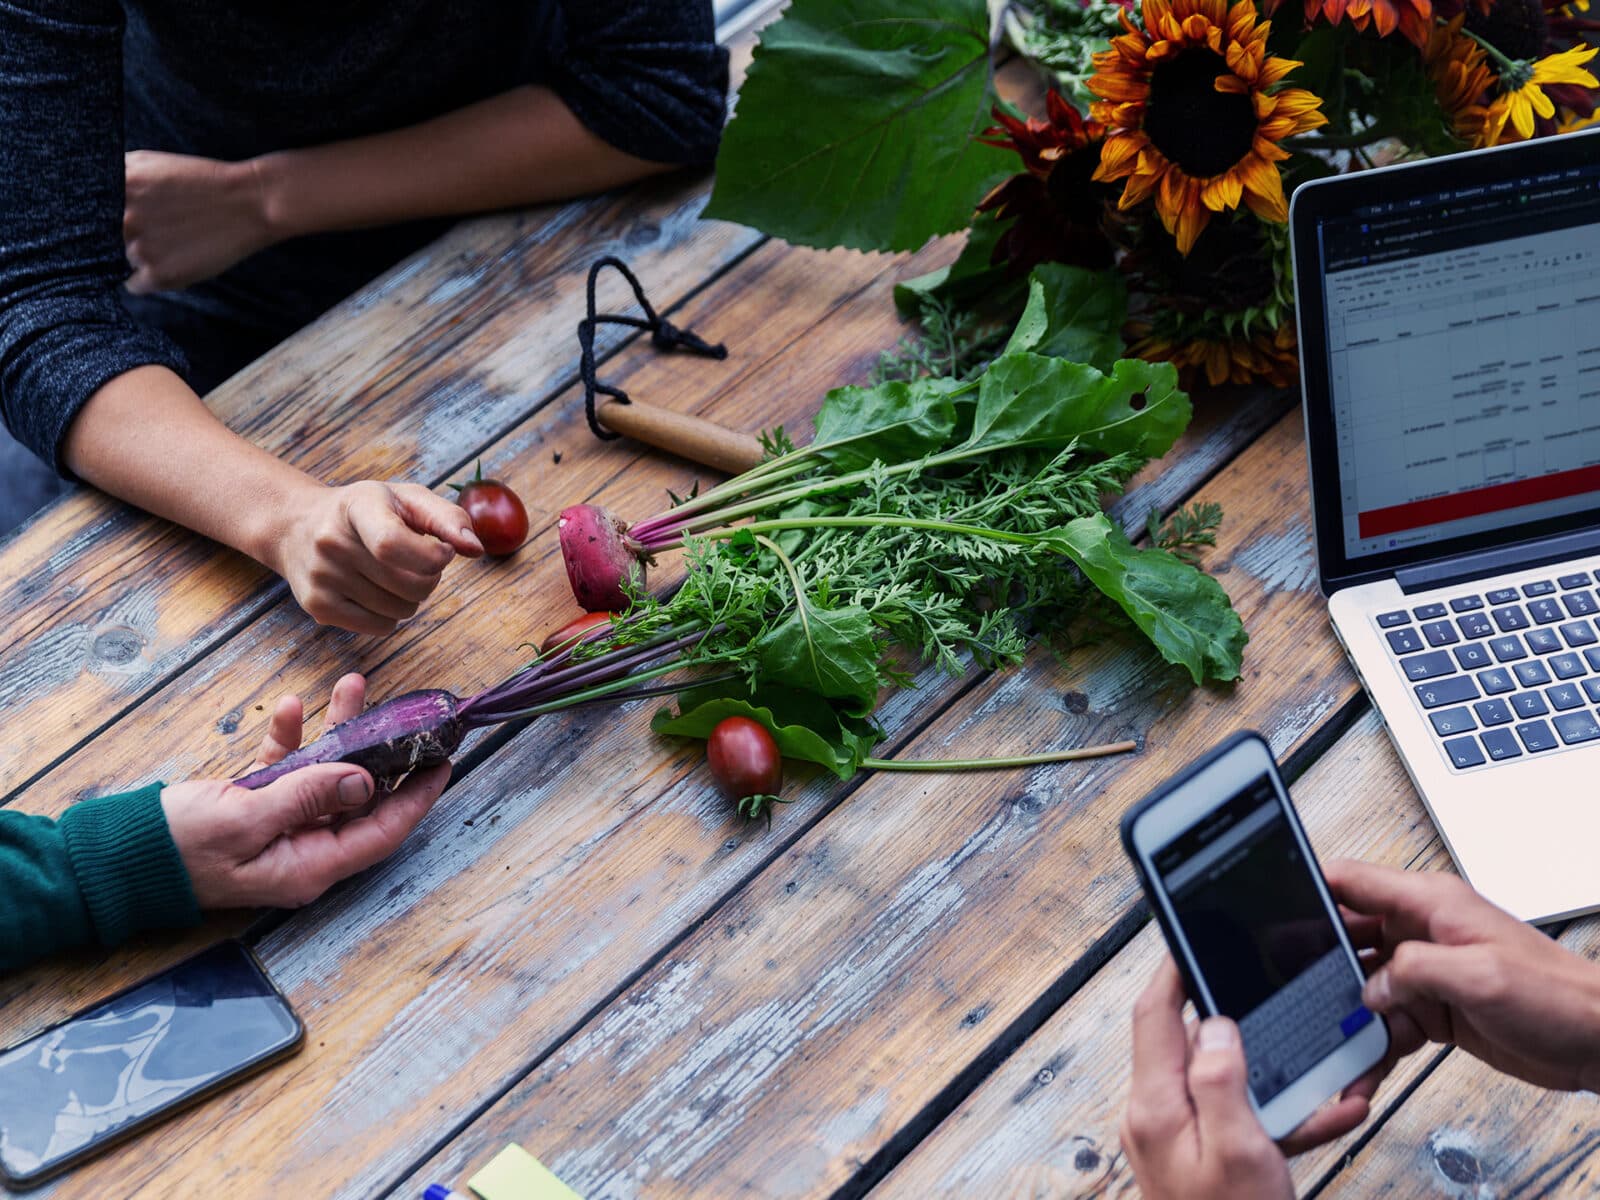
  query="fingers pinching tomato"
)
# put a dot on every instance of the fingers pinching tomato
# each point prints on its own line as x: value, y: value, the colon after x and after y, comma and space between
x: 498, y: 517
x: 745, y: 763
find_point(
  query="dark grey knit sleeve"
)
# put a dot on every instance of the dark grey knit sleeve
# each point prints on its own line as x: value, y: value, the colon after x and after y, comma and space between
x: 645, y: 75
x: 63, y: 332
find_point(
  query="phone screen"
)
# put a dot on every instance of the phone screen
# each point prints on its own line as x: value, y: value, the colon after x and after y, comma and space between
x: 152, y: 1048
x: 1248, y: 904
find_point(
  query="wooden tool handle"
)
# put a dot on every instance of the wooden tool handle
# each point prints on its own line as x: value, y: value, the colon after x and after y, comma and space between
x: 694, y: 438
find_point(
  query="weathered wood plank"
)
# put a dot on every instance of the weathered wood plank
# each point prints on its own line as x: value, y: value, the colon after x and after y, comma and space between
x: 1470, y: 1132
x: 1045, y: 1123
x: 407, y: 379
x: 612, y: 881
x: 816, y: 1013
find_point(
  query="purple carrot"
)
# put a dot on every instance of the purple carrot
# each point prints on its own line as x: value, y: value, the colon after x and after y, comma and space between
x: 408, y: 733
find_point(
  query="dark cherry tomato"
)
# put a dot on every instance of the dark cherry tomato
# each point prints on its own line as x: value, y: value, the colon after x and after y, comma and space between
x: 498, y: 517
x: 744, y: 759
x: 573, y: 630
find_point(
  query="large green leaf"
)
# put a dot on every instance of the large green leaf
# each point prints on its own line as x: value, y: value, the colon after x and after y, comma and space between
x: 1181, y: 609
x: 1073, y: 313
x: 804, y: 726
x: 971, y: 282
x: 856, y: 125
x: 893, y: 422
x: 830, y: 651
x: 1028, y: 399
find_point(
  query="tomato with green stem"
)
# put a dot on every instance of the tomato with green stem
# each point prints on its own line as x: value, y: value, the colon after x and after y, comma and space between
x: 745, y: 763
x: 497, y: 515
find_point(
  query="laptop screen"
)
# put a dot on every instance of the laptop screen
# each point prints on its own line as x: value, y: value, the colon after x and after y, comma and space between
x: 1463, y: 356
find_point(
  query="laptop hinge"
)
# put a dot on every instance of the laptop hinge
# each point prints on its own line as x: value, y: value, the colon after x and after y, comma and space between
x: 1500, y: 561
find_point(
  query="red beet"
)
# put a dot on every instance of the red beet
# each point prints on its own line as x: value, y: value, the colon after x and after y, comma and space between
x: 600, y: 557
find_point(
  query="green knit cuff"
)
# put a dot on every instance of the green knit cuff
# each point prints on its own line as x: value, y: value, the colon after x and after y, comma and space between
x: 128, y: 866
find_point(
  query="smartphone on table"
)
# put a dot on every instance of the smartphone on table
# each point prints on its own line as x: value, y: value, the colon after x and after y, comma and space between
x: 140, y: 1056
x: 1231, y: 878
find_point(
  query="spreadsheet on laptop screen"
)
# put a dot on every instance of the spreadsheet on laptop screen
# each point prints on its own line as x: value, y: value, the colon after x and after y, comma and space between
x: 1464, y: 358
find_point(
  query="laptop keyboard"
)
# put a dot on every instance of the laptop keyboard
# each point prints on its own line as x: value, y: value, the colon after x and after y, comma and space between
x: 1504, y: 673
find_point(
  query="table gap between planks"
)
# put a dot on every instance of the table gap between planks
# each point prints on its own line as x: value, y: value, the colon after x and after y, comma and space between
x: 910, y: 986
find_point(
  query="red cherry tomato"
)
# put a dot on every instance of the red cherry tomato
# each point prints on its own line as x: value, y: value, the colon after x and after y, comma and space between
x: 744, y: 759
x: 574, y: 630
x: 498, y: 517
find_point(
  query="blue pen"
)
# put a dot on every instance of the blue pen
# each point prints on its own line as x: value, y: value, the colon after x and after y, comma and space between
x: 438, y: 1191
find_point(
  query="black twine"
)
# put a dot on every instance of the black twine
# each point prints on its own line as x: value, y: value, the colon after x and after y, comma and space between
x: 664, y: 335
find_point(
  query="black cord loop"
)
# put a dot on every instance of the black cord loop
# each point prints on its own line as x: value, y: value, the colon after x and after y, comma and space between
x: 664, y: 336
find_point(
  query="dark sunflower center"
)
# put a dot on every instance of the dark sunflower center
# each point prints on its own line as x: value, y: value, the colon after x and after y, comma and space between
x: 1201, y: 129
x: 1516, y: 28
x: 1073, y: 189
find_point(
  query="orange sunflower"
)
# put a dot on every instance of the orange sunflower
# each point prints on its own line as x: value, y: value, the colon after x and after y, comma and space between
x: 1462, y: 78
x: 1194, y: 113
x: 1266, y: 356
x: 1413, y: 18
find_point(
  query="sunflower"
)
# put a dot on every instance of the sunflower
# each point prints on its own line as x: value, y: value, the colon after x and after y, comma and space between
x: 1193, y: 116
x: 1267, y: 356
x: 1413, y: 18
x: 1522, y: 85
x: 1517, y: 34
x: 1054, y: 205
x: 1462, y: 80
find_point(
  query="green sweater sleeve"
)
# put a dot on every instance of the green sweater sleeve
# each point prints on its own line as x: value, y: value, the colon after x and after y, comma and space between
x: 107, y: 870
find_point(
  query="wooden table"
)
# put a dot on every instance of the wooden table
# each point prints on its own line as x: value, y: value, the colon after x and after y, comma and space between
x: 909, y: 986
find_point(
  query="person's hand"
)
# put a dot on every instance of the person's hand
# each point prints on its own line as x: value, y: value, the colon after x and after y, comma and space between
x: 285, y: 844
x: 365, y: 556
x: 1189, y: 1131
x: 186, y: 219
x: 1448, y: 966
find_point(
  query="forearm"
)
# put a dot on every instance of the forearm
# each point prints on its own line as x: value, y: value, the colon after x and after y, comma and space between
x: 146, y: 438
x: 523, y: 146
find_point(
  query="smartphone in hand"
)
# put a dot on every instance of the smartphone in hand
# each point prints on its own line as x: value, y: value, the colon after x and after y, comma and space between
x: 136, y: 1058
x: 1231, y: 878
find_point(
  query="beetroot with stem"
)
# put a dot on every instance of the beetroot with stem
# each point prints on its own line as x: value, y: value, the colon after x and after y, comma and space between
x: 600, y: 557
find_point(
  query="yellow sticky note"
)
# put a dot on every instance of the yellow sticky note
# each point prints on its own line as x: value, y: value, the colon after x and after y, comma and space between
x: 514, y: 1174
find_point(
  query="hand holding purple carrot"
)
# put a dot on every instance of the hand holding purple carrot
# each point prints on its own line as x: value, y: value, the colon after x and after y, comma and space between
x: 286, y: 843
x: 365, y: 556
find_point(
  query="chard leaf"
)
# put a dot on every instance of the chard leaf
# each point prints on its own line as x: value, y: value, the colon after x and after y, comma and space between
x: 856, y: 125
x: 890, y: 423
x: 804, y: 726
x: 1181, y: 609
x: 1073, y: 313
x: 1028, y: 399
x: 832, y: 652
x: 969, y: 282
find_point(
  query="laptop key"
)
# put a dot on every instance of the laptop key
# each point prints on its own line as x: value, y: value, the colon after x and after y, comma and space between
x: 1473, y: 655
x: 1404, y: 641
x: 1475, y: 625
x: 1464, y: 752
x: 1494, y: 712
x: 1579, y: 633
x: 1466, y: 603
x: 1452, y: 720
x: 1541, y: 587
x: 1450, y: 691
x: 1428, y: 666
x: 1532, y: 674
x: 1529, y: 704
x: 1495, y: 681
x: 1591, y: 688
x: 1546, y: 611
x: 1511, y: 617
x: 1592, y: 657
x: 1576, y: 727
x: 1568, y: 582
x: 1428, y: 612
x: 1508, y: 649
x: 1542, y: 641
x: 1580, y: 604
x: 1440, y: 633
x: 1536, y: 736
x: 1564, y: 696
x: 1389, y: 620
x: 1500, y: 744
x: 1502, y: 596
x: 1566, y: 666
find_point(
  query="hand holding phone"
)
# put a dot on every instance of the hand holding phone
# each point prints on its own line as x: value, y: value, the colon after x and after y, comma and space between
x: 1253, y: 930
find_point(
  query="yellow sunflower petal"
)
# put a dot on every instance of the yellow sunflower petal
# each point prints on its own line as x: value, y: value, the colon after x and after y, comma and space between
x: 1566, y: 68
x: 1263, y: 190
x: 1222, y: 191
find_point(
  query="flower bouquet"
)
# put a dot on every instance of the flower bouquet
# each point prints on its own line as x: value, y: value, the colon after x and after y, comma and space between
x: 1154, y: 174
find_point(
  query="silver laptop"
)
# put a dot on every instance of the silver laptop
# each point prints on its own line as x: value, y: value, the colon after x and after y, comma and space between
x: 1449, y: 319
